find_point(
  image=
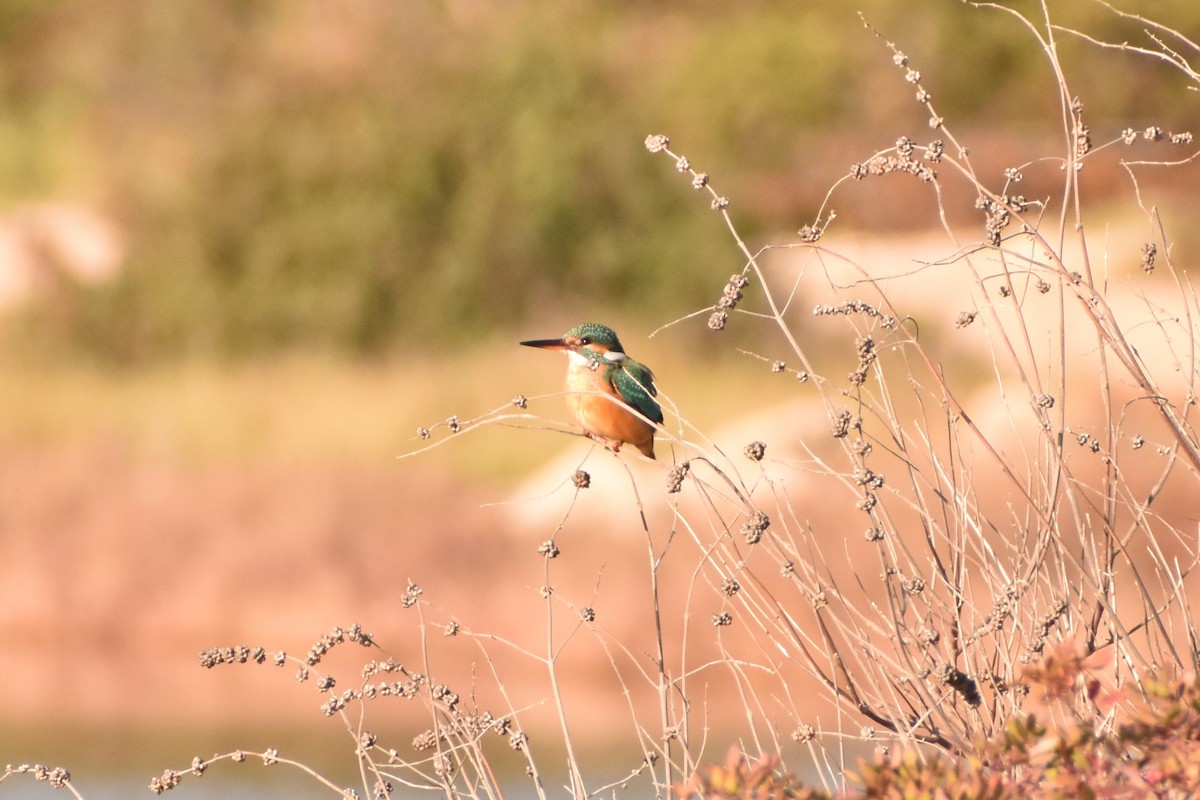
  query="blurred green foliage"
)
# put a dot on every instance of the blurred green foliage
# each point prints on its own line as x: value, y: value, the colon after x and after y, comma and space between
x: 361, y: 176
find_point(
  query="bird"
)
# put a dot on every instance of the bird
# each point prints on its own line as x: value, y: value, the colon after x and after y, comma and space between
x: 610, y: 394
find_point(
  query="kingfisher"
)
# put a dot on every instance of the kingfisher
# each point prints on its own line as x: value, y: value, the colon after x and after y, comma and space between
x: 610, y: 394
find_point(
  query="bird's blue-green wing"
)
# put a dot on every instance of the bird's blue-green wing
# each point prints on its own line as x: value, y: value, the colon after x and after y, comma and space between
x: 635, y: 382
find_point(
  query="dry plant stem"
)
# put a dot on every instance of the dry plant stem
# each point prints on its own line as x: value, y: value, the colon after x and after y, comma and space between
x: 1165, y: 52
x: 752, y: 260
x: 1111, y: 335
x: 483, y: 421
x: 62, y: 783
x: 269, y: 758
x: 688, y: 764
x: 1106, y: 324
x: 649, y: 743
x: 512, y: 710
x: 578, y: 789
x: 1073, y: 127
x: 1047, y: 568
x: 365, y: 761
x: 923, y: 642
x: 446, y: 783
x: 843, y: 684
x: 838, y: 678
x: 660, y: 657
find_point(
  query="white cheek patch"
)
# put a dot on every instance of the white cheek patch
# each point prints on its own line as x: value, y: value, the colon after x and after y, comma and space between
x: 614, y: 356
x: 578, y: 359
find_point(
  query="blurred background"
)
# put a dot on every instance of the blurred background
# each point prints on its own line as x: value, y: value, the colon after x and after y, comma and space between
x: 248, y: 246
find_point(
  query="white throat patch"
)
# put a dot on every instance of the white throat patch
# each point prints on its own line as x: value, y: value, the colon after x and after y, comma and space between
x: 578, y: 359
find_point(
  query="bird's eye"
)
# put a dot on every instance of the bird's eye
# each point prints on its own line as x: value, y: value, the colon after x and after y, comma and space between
x: 586, y: 340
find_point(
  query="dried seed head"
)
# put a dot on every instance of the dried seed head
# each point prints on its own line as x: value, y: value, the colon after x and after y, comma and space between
x: 842, y: 424
x: 755, y: 527
x: 411, y: 594
x: 676, y: 475
x: 1149, y: 254
x: 755, y: 451
x: 169, y: 780
x: 656, y: 143
x: 581, y: 479
x: 884, y: 165
x: 1083, y: 141
x: 847, y: 307
x: 804, y: 733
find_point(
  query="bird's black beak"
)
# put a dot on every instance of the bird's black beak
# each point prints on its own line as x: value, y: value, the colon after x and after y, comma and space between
x: 548, y: 344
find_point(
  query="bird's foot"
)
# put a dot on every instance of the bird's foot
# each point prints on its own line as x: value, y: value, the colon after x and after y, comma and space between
x: 610, y: 444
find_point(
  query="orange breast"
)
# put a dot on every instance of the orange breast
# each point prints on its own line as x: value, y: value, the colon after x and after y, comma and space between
x: 601, y: 412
